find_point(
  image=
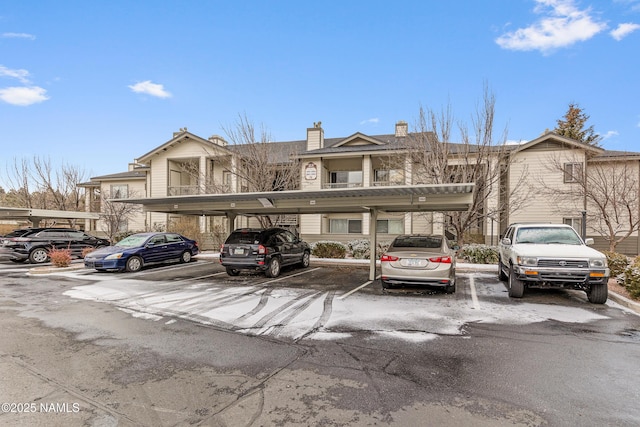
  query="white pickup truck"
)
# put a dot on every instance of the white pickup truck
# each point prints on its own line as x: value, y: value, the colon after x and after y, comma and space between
x: 551, y: 255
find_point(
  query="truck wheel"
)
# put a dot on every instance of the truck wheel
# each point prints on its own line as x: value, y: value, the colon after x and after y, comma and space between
x: 501, y: 276
x: 516, y: 286
x: 597, y: 294
x: 273, y: 269
x: 38, y: 256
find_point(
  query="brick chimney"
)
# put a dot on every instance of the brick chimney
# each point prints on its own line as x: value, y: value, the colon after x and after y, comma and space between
x: 402, y: 128
x: 315, y: 137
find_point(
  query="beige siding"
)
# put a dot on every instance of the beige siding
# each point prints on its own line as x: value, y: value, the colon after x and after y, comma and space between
x: 538, y: 168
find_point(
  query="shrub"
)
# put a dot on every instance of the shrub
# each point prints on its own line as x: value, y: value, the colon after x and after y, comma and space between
x: 479, y: 254
x: 359, y: 249
x: 328, y: 249
x: 617, y: 262
x: 60, y: 257
x: 631, y: 278
x: 86, y: 251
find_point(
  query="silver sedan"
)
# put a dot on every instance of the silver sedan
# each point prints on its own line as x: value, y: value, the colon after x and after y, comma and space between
x: 419, y: 259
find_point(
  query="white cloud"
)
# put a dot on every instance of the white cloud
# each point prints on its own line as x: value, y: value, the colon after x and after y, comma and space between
x: 374, y: 120
x: 561, y: 25
x: 23, y: 96
x: 18, y: 36
x: 21, y: 75
x: 610, y: 134
x: 150, y: 88
x: 624, y: 30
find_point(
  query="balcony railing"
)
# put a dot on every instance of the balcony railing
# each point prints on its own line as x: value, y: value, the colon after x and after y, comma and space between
x: 342, y: 185
x: 183, y: 190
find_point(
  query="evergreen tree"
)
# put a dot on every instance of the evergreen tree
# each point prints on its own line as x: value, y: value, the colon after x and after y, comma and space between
x: 573, y: 126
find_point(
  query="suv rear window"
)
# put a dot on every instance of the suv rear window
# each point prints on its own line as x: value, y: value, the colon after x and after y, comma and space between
x: 244, y: 237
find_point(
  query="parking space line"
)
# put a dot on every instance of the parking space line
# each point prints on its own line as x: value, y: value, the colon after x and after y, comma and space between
x: 474, y: 294
x: 358, y: 288
x: 292, y: 275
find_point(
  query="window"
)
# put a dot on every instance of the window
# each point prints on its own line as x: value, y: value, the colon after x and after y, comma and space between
x: 345, y: 179
x: 119, y: 191
x: 576, y: 223
x: 345, y: 226
x: 572, y: 172
x: 390, y: 226
x: 173, y: 238
x: 388, y: 177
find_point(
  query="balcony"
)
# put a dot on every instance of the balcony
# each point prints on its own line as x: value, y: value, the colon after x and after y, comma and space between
x: 342, y: 185
x: 183, y: 190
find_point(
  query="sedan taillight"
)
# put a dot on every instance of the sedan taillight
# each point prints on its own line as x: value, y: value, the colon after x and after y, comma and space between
x: 441, y: 259
x: 386, y: 257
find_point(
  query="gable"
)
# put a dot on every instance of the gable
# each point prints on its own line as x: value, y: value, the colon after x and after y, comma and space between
x: 358, y: 139
x: 186, y: 142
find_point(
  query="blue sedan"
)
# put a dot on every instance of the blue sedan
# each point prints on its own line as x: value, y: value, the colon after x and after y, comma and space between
x: 134, y: 252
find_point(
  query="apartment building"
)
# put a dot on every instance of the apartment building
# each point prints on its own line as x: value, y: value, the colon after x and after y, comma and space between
x: 541, y: 180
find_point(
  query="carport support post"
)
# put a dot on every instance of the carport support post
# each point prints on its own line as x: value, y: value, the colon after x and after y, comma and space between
x: 231, y: 222
x: 373, y: 243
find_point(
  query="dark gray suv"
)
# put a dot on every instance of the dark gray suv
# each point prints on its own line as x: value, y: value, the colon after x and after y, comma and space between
x: 34, y: 244
x: 265, y: 250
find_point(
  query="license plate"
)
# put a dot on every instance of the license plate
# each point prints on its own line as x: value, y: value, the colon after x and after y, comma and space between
x: 238, y: 251
x: 412, y: 262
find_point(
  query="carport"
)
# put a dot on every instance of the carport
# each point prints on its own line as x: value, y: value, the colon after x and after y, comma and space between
x: 37, y: 215
x: 372, y: 200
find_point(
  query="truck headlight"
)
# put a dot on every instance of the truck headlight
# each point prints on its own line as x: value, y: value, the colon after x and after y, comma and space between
x: 527, y: 261
x: 598, y: 263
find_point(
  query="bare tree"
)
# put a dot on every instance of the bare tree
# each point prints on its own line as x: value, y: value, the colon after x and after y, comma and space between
x: 37, y: 184
x: 262, y: 165
x: 478, y: 158
x: 608, y: 189
x: 114, y: 216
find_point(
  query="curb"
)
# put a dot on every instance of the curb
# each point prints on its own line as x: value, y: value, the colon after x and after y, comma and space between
x: 625, y: 302
x: 48, y: 269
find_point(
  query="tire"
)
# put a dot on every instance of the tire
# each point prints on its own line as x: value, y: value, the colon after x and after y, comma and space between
x: 598, y: 294
x: 515, y: 285
x: 306, y: 258
x: 232, y: 271
x: 273, y: 269
x: 38, y: 256
x: 450, y: 289
x: 134, y: 264
x: 386, y: 285
x: 501, y: 276
x: 185, y: 257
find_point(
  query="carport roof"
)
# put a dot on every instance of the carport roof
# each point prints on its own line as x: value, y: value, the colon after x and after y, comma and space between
x: 409, y: 198
x: 27, y: 213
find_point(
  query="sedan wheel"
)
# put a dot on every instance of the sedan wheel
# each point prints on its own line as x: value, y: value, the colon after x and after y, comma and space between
x: 134, y: 264
x: 185, y: 257
x: 38, y: 256
x: 273, y: 270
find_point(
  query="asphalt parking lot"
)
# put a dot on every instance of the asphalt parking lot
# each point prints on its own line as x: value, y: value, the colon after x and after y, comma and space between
x: 323, y: 301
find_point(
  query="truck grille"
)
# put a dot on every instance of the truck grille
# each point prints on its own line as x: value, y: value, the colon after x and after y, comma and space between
x: 563, y: 263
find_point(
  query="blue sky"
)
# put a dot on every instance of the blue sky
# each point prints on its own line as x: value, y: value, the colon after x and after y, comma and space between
x: 96, y: 84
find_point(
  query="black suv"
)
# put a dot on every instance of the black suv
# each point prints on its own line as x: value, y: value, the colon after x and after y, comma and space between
x: 34, y: 244
x: 264, y: 250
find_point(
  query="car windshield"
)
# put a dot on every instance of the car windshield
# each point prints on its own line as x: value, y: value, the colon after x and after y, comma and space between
x: 428, y: 242
x: 547, y: 235
x: 132, y: 241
